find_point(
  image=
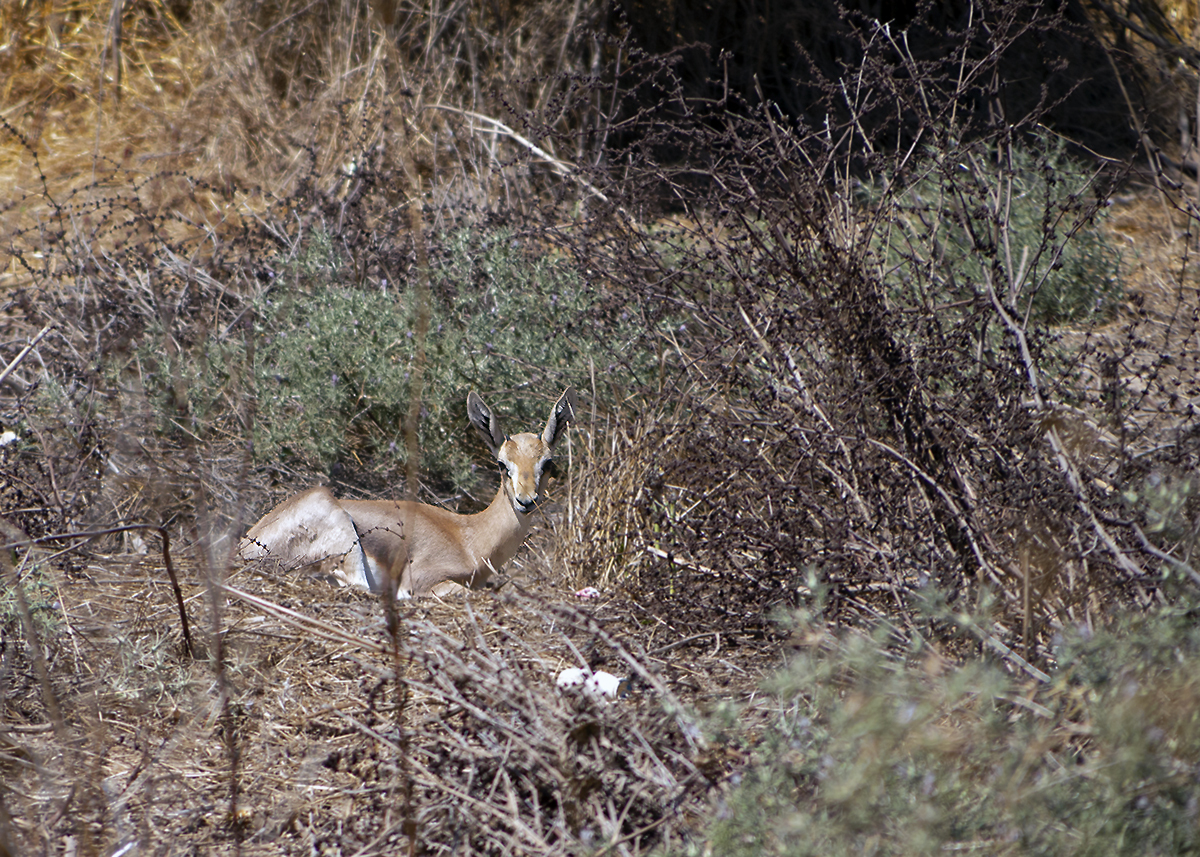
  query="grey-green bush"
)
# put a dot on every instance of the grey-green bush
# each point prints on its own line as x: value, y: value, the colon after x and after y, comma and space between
x: 879, y: 750
x: 333, y: 361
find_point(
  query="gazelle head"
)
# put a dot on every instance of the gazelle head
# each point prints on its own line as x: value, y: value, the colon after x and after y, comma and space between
x: 527, y: 459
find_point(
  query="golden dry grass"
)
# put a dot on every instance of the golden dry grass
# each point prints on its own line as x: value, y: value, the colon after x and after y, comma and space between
x: 256, y: 98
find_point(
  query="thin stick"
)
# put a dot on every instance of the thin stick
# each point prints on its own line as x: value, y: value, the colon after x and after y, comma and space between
x: 557, y: 164
x: 1165, y: 557
x: 183, y: 619
x: 13, y: 581
x: 308, y: 624
x: 24, y: 353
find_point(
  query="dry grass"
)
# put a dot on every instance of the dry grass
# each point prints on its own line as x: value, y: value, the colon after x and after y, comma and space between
x: 501, y: 762
x: 249, y: 100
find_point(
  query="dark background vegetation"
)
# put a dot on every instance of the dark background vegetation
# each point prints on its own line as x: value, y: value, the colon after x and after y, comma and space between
x: 884, y: 321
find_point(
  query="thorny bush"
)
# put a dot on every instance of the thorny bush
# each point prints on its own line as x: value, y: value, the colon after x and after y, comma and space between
x: 890, y: 365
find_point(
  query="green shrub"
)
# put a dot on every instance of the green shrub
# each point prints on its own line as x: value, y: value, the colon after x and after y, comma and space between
x: 333, y: 362
x: 42, y: 599
x: 331, y: 367
x: 871, y: 749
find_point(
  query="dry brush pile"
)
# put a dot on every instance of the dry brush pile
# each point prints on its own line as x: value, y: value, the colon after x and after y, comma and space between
x: 317, y: 746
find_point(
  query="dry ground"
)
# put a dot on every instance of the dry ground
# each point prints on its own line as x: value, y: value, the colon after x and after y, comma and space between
x: 141, y: 753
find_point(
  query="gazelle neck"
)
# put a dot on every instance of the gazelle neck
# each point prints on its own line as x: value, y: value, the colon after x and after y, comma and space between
x: 498, y: 531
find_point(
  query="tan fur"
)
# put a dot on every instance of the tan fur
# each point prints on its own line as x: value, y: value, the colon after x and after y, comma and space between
x: 424, y: 547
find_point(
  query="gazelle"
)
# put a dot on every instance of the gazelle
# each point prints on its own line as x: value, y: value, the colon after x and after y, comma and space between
x: 364, y: 542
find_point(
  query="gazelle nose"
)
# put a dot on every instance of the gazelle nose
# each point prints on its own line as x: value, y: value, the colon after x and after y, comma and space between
x: 525, y: 503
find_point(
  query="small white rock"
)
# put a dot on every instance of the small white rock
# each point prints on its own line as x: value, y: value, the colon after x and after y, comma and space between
x: 571, y: 678
x: 597, y: 684
x: 8, y: 437
x: 606, y: 684
x: 588, y: 592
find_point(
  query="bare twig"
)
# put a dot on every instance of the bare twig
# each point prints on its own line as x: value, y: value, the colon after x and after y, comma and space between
x: 307, y: 624
x: 13, y: 582
x: 16, y: 361
x: 1166, y: 557
x: 557, y: 164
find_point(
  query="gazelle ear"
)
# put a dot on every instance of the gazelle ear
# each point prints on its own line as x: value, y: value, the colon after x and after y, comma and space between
x: 562, y: 413
x: 485, y: 422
